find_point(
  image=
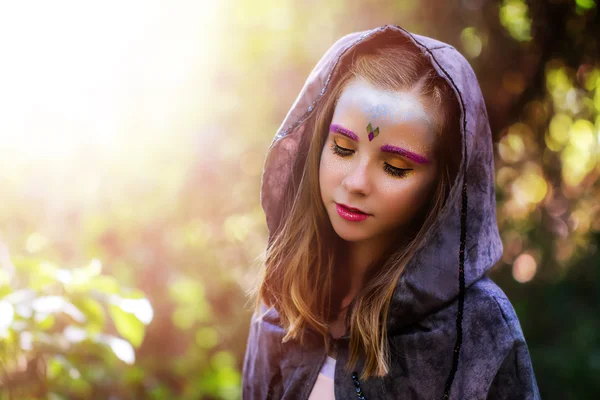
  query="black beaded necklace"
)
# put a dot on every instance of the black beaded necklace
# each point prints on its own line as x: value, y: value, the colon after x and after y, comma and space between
x: 359, y: 392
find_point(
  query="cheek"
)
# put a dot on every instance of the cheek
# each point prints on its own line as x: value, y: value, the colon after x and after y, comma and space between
x: 400, y: 201
x: 331, y: 172
x: 324, y: 177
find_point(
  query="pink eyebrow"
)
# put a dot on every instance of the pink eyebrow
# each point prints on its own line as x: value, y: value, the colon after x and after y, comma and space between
x: 406, y: 153
x: 347, y: 132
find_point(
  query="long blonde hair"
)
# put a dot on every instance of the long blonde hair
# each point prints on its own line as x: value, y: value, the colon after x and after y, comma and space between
x: 301, y: 259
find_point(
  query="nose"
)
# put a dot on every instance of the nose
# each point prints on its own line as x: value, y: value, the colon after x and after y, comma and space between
x: 357, y: 181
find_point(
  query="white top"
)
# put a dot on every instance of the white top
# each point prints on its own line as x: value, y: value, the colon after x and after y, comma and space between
x: 323, y: 389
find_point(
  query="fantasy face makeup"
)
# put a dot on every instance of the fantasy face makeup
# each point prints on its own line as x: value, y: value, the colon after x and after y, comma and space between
x: 371, y: 189
x: 372, y: 133
x: 347, y: 132
x: 350, y: 215
x: 405, y: 153
x: 404, y: 109
x: 386, y: 148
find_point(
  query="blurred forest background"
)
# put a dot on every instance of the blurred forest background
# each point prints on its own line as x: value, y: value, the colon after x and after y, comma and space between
x: 133, y: 136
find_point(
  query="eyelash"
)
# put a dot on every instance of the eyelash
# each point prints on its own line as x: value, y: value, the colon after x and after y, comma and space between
x: 396, y: 172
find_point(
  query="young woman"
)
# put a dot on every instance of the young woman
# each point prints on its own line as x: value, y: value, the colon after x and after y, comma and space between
x: 379, y: 195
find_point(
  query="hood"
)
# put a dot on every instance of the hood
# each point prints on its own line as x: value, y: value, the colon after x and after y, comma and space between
x: 464, y: 242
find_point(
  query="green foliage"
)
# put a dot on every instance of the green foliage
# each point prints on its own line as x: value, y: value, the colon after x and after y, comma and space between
x: 57, y: 341
x: 514, y: 17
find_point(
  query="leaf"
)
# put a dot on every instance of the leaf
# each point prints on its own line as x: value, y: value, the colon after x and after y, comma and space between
x: 55, y: 304
x: 140, y: 307
x: 45, y: 322
x: 127, y: 325
x: 122, y: 350
x: 105, y: 284
x: 94, y: 312
x: 7, y: 314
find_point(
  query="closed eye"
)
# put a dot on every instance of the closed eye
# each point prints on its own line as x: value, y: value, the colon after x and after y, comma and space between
x: 341, y: 151
x: 390, y: 169
x: 397, y: 172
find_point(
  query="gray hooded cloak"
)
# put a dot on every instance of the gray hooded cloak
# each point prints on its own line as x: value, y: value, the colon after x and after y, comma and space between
x: 453, y: 332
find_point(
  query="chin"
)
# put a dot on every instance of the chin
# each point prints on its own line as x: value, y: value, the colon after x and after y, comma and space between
x: 350, y: 236
x: 350, y: 231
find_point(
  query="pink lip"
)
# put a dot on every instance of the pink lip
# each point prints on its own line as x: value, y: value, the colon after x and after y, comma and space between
x: 350, y: 214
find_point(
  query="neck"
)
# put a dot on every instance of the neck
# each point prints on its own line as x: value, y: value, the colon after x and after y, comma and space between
x: 352, y: 270
x: 360, y: 257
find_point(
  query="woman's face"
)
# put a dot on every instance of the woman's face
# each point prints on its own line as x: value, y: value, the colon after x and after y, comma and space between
x: 387, y: 173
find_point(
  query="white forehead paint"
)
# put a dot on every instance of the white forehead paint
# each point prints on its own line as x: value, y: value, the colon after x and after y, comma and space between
x: 384, y: 108
x: 401, y: 108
